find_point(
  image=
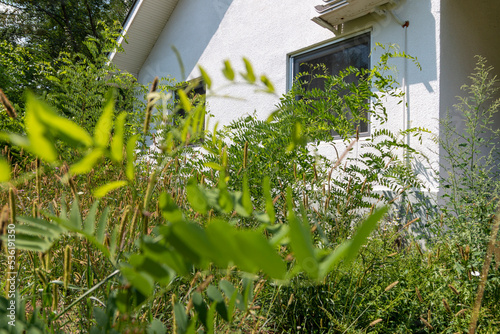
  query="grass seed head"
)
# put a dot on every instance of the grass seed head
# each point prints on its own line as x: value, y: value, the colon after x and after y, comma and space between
x: 426, y: 323
x: 67, y: 266
x: 455, y: 291
x: 419, y: 296
x: 390, y: 286
x: 374, y: 322
x: 446, y: 305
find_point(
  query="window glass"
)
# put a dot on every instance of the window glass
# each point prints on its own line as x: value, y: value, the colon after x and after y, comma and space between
x: 196, y: 95
x: 336, y: 57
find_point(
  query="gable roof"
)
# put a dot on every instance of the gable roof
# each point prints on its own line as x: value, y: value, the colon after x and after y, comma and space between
x: 143, y: 26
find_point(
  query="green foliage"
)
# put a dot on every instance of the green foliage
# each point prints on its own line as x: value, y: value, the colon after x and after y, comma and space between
x: 87, y: 79
x: 283, y: 148
x: 17, y: 321
x: 225, y: 241
x: 181, y: 245
x: 57, y: 26
x: 470, y: 173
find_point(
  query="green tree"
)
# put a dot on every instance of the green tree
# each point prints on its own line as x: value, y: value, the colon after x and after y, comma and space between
x: 61, y: 25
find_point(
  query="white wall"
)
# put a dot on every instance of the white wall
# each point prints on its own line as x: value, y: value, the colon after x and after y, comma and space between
x: 207, y: 32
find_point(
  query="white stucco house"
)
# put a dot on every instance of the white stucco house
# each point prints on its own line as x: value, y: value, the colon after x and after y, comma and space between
x: 277, y: 35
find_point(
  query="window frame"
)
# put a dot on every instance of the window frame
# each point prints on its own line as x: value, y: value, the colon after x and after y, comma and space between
x: 324, y: 48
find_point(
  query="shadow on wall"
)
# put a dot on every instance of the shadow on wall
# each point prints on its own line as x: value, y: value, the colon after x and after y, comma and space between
x: 190, y: 29
x: 467, y: 29
x: 420, y: 39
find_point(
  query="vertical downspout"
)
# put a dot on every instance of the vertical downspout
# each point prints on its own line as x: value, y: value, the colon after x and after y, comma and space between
x: 405, y: 84
x: 406, y: 97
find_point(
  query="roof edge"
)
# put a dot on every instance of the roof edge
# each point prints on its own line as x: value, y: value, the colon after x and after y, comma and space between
x: 126, y: 25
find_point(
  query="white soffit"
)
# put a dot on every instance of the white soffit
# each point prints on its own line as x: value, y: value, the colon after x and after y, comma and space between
x: 142, y: 28
x: 335, y: 12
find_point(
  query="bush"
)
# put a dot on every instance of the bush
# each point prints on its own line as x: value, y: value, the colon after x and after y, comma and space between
x: 218, y: 241
x: 470, y: 175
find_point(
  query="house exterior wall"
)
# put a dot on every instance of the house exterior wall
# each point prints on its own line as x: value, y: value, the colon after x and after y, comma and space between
x: 471, y: 29
x: 267, y: 33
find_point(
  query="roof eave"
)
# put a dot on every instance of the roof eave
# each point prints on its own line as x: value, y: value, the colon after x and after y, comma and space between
x: 336, y: 12
x: 143, y: 25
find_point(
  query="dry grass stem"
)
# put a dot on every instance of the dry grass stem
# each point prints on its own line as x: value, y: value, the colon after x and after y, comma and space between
x: 7, y: 105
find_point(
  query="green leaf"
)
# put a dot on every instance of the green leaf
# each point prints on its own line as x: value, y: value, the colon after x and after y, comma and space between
x: 230, y: 291
x: 131, y: 157
x: 155, y: 269
x: 156, y: 327
x: 225, y: 245
x: 247, y: 291
x: 101, y: 317
x: 169, y: 209
x: 117, y: 142
x: 101, y: 226
x: 185, y: 104
x: 201, y: 307
x: 4, y: 170
x: 246, y: 199
x: 205, y: 76
x: 364, y: 231
x: 163, y: 254
x: 266, y: 187
x: 193, y: 324
x: 105, y: 189
x: 15, y: 139
x: 298, y: 137
x: 32, y: 243
x: 213, y: 165
x: 261, y: 253
x: 103, y: 127
x: 195, y: 236
x: 250, y: 75
x: 267, y: 83
x: 37, y: 132
x: 54, y: 124
x: 215, y: 296
x: 181, y: 318
x: 210, y: 318
x: 228, y: 70
x: 301, y: 241
x: 39, y: 227
x: 225, y: 200
x: 75, y: 218
x: 140, y: 280
x: 88, y: 162
x: 89, y: 223
x: 196, y: 197
x: 333, y: 259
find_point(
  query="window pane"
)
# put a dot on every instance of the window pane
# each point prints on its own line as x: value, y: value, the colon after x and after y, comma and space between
x: 337, y: 57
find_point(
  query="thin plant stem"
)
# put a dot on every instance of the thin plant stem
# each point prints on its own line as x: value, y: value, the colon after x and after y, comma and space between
x: 484, y: 273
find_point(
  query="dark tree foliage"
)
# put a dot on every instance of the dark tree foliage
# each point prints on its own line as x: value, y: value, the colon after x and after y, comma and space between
x: 58, y: 25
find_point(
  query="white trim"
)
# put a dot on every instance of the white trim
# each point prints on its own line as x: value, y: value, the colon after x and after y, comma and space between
x: 126, y: 26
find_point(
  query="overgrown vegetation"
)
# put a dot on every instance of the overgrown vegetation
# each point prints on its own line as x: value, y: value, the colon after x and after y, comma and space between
x: 252, y: 232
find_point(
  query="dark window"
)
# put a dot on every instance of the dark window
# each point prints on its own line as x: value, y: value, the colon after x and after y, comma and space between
x: 196, y: 92
x: 336, y: 57
x: 196, y: 95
